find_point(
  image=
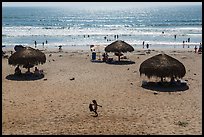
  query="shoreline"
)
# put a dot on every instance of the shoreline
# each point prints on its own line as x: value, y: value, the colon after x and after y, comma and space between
x: 165, y: 47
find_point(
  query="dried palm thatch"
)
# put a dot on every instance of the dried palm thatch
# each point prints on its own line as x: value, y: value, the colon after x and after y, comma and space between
x: 18, y: 47
x: 162, y: 65
x: 118, y: 47
x: 27, y: 57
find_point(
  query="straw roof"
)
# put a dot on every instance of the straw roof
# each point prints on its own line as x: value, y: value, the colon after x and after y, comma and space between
x: 27, y: 56
x: 119, y: 46
x: 18, y: 47
x: 162, y: 65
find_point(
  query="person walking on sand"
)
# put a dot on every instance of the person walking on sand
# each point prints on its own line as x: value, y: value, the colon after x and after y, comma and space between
x: 93, y: 107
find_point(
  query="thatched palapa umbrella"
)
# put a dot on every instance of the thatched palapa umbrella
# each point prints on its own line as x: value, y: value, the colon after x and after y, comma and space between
x: 118, y: 47
x: 162, y: 65
x: 28, y: 57
x: 18, y: 47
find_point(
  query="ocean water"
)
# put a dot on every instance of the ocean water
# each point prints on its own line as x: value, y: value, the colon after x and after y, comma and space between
x: 78, y: 29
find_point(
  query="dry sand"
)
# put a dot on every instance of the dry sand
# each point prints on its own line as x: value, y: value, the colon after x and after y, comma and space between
x: 57, y: 105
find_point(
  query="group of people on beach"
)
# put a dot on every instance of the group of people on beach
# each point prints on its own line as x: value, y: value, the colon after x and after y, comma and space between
x: 105, y: 56
x: 43, y: 43
x: 187, y: 41
x: 147, y: 45
x: 115, y: 37
x: 37, y: 72
x: 199, y: 49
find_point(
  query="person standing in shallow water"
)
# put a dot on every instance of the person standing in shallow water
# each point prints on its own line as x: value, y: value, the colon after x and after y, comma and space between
x: 189, y: 39
x: 143, y: 43
x: 35, y: 44
x: 147, y: 46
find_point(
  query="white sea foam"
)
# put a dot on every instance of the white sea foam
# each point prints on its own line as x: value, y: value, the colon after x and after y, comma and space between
x: 57, y: 31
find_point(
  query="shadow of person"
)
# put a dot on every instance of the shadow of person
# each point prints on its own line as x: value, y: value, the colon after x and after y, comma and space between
x: 122, y: 62
x: 95, y: 115
x: 165, y: 87
x: 24, y: 77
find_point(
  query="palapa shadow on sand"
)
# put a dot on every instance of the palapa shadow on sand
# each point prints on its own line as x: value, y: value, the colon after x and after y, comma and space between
x: 24, y: 77
x: 97, y: 61
x: 121, y: 62
x: 165, y: 87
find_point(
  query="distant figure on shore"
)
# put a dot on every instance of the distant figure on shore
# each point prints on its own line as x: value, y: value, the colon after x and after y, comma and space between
x: 60, y: 48
x: 200, y: 48
x: 147, y: 46
x: 162, y: 32
x: 174, y: 36
x: 35, y: 44
x: 93, y: 107
x: 46, y: 42
x: 43, y: 44
x: 195, y: 48
x: 143, y: 43
x: 189, y: 39
x: 183, y: 44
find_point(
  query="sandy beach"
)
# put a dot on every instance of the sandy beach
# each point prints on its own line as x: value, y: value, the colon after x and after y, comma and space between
x: 56, y: 105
